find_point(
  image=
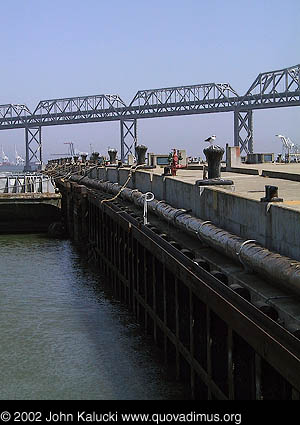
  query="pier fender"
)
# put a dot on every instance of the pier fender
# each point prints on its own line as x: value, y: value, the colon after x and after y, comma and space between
x: 273, y: 266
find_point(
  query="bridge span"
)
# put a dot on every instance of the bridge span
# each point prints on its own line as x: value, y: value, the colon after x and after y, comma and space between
x: 274, y: 89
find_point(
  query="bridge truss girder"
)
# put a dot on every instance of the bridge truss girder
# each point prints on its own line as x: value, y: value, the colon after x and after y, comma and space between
x: 33, y: 146
x: 273, y: 89
x: 77, y: 109
x: 13, y: 115
x: 181, y: 100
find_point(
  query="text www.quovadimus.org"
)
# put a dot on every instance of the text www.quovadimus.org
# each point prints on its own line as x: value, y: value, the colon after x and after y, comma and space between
x: 84, y: 416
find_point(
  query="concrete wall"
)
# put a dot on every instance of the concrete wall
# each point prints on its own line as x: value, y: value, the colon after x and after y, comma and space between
x: 27, y: 216
x: 112, y: 175
x: 123, y: 175
x: 142, y: 180
x: 274, y: 226
x: 94, y: 173
x: 101, y: 173
x: 159, y: 186
x: 244, y: 217
x: 181, y: 194
x: 284, y: 230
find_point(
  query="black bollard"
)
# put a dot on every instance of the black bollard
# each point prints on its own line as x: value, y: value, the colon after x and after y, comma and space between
x: 271, y: 194
x: 214, y: 155
x: 140, y: 151
x: 94, y: 157
x: 112, y: 156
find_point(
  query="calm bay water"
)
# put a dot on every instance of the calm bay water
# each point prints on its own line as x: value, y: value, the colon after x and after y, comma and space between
x: 62, y: 336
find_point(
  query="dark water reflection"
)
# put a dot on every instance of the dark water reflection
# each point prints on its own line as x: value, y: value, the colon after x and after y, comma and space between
x: 63, y: 336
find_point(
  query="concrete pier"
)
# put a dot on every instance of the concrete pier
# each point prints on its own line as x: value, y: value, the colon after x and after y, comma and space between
x: 28, y: 212
x: 211, y: 318
x: 236, y: 209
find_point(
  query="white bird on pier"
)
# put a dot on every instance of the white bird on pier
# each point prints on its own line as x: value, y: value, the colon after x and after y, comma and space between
x: 211, y: 139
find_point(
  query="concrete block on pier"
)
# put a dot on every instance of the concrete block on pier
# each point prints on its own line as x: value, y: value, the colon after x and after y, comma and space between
x: 181, y: 194
x: 143, y: 181
x: 112, y: 175
x: 274, y: 226
x: 284, y: 231
x: 93, y: 174
x: 281, y: 175
x: 158, y: 186
x: 240, y: 170
x: 101, y: 173
x: 233, y: 156
x: 244, y: 217
x: 123, y: 175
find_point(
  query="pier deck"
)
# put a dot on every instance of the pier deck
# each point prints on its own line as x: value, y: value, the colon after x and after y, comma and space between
x: 28, y: 212
x: 253, y: 186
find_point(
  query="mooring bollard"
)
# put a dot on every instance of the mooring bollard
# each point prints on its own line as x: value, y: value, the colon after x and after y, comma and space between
x: 148, y: 197
x: 94, y: 157
x: 140, y: 151
x: 271, y: 194
x: 214, y: 155
x: 212, y: 173
x: 112, y: 156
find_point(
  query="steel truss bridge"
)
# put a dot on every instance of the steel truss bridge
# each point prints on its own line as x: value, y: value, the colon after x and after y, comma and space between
x: 274, y: 89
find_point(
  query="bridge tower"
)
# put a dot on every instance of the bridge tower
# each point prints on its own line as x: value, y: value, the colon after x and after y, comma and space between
x: 33, y: 146
x: 243, y: 130
x: 128, y: 127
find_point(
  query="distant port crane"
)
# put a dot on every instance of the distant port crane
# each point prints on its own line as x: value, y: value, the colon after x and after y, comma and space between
x: 4, y: 157
x: 18, y: 159
x: 289, y: 148
x: 71, y: 150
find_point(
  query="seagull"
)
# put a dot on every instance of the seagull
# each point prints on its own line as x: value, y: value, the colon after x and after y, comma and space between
x: 211, y: 139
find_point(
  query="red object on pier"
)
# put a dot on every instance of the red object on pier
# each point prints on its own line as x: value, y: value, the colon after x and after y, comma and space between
x: 175, y: 158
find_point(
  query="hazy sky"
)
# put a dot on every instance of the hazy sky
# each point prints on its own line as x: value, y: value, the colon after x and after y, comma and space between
x: 65, y: 48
